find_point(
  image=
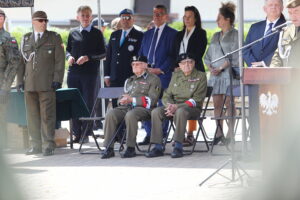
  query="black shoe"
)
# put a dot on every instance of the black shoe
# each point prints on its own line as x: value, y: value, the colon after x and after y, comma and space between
x: 154, y: 153
x: 108, y: 153
x: 177, y: 153
x: 218, y: 139
x: 146, y: 141
x: 48, y: 152
x: 33, y: 151
x: 129, y: 153
x: 77, y: 139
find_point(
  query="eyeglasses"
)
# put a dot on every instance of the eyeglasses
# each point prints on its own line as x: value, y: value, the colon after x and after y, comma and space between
x: 126, y: 17
x: 42, y: 20
x: 159, y: 14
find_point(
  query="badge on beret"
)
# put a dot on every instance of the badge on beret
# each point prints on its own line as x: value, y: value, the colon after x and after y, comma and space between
x: 130, y: 48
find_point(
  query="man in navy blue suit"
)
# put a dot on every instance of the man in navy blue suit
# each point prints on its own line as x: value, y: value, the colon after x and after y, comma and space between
x: 123, y: 44
x: 261, y: 54
x: 157, y: 46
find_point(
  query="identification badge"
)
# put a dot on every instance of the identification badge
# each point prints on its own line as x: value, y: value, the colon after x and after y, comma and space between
x: 130, y: 48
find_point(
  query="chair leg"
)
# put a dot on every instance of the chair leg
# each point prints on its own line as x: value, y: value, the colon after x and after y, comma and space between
x: 218, y: 127
x: 89, y: 123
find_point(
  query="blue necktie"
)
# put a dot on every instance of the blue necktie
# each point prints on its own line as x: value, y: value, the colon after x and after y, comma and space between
x: 265, y: 41
x: 123, y: 38
x: 152, y: 47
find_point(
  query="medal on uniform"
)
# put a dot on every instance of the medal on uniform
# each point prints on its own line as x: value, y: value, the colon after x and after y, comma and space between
x: 49, y: 52
x: 175, y: 85
x: 192, y: 86
x: 130, y: 48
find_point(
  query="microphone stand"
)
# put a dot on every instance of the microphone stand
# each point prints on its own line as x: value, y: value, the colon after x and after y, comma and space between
x: 235, y: 167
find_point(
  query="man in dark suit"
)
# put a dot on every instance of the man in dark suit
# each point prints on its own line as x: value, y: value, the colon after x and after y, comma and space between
x: 157, y: 46
x: 261, y: 54
x: 85, y: 48
x: 122, y: 46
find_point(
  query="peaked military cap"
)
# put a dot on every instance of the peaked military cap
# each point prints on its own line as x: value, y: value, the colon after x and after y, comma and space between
x: 185, y: 56
x: 39, y: 15
x: 126, y: 11
x: 139, y: 59
x: 2, y: 12
x: 293, y: 3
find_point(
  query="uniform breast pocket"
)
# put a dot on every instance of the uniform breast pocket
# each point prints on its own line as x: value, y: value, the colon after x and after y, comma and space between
x: 48, y: 51
x: 144, y: 88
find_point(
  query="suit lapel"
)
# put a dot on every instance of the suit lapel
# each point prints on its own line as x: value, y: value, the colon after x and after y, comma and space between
x: 261, y: 32
x: 43, y: 39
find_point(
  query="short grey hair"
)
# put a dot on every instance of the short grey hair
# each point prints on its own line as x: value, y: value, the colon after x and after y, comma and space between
x: 281, y: 1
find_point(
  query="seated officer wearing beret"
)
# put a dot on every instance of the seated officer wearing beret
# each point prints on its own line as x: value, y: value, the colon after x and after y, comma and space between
x: 142, y: 91
x: 287, y: 54
x: 182, y: 100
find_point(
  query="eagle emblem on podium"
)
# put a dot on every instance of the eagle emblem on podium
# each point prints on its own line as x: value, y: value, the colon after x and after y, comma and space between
x: 269, y: 103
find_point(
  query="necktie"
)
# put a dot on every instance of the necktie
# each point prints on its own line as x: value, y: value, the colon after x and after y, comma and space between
x: 152, y: 47
x: 123, y: 38
x: 265, y: 41
x: 38, y: 38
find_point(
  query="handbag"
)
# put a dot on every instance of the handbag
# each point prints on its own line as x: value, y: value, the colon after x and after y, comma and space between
x: 235, y: 71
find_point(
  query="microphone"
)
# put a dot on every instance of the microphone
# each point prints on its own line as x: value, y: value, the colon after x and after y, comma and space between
x: 287, y: 23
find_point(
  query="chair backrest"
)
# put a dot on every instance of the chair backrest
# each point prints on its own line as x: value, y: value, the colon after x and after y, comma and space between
x: 206, y: 101
x: 110, y: 93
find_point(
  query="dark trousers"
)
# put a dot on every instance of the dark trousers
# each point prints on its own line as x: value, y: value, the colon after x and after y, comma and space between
x: 86, y: 84
x: 254, y: 118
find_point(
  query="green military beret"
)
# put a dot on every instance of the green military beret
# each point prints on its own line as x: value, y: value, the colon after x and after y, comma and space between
x: 2, y: 12
x: 39, y: 15
x: 293, y: 3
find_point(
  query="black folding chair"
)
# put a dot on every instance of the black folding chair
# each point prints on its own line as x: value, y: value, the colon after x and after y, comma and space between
x: 104, y: 93
x: 236, y: 93
x: 201, y: 129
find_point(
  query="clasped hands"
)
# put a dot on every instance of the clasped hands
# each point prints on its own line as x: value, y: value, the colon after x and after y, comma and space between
x: 170, y: 109
x: 126, y: 99
x: 81, y: 60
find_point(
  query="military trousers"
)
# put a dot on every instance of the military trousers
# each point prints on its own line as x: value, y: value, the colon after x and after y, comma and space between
x: 131, y: 116
x: 3, y: 125
x: 180, y: 118
x: 41, y: 118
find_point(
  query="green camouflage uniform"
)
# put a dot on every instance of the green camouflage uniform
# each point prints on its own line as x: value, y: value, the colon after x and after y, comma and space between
x: 188, y: 92
x: 145, y: 90
x: 290, y: 40
x: 10, y: 58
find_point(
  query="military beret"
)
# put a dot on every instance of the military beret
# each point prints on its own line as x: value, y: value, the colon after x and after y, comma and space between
x: 102, y: 22
x: 2, y: 12
x: 185, y: 56
x: 293, y: 3
x: 126, y: 11
x: 39, y: 15
x: 139, y: 59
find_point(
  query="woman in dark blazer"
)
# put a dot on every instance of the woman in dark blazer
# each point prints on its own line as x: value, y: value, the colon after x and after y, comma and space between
x: 192, y: 40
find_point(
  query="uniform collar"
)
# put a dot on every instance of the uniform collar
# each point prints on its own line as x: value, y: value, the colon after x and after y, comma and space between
x: 144, y: 75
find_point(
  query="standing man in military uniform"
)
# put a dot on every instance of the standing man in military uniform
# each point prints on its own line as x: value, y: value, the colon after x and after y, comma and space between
x: 141, y: 95
x: 287, y: 54
x: 41, y: 75
x: 183, y: 101
x: 10, y: 59
x: 123, y: 44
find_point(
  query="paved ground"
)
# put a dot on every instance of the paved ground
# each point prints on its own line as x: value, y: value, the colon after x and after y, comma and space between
x: 70, y: 175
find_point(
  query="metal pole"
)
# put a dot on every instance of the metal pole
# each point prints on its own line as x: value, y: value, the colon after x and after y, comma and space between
x: 241, y: 64
x: 101, y: 61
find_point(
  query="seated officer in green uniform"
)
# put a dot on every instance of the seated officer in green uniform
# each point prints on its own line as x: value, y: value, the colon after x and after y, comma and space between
x: 142, y: 91
x: 183, y: 101
x: 288, y: 51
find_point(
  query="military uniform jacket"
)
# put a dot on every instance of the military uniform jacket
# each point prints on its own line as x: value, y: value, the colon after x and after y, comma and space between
x: 290, y: 39
x: 186, y: 90
x: 10, y: 59
x: 118, y: 58
x: 144, y: 89
x: 47, y: 65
